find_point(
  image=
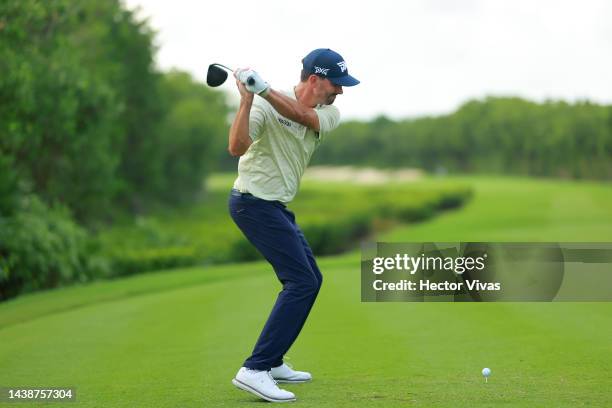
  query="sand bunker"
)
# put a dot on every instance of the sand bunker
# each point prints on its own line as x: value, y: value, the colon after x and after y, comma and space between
x: 361, y: 175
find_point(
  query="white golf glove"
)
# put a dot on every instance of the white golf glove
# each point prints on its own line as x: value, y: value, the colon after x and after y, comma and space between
x: 257, y: 84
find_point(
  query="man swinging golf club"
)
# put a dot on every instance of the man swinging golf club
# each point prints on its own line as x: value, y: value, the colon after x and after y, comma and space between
x: 275, y: 135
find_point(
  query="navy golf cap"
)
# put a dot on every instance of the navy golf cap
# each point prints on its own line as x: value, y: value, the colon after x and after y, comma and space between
x: 328, y: 64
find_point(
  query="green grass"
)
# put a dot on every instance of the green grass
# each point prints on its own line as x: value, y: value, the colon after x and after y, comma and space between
x: 176, y: 338
x: 520, y: 209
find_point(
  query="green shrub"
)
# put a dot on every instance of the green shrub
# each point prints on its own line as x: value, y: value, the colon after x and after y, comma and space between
x: 133, y: 261
x: 333, y: 217
x: 43, y: 247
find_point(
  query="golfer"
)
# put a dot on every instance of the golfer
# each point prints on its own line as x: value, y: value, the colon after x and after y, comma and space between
x: 275, y: 134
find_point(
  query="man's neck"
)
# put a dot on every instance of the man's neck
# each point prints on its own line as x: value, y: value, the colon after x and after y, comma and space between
x: 304, y: 95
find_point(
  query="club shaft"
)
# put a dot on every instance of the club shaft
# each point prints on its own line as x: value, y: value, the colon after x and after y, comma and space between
x: 250, y: 80
x: 224, y: 66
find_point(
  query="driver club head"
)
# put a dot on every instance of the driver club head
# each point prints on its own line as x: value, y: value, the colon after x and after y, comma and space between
x: 216, y: 75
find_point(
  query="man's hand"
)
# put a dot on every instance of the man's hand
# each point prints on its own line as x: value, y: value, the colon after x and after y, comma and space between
x: 257, y: 84
x: 244, y: 93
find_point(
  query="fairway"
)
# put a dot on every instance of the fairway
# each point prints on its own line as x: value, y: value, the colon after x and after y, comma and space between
x: 513, y: 209
x: 176, y: 338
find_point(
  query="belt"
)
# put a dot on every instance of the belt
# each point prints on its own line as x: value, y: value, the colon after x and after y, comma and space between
x: 237, y: 193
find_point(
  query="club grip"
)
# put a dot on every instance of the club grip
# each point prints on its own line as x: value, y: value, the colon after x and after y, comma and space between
x: 251, y: 81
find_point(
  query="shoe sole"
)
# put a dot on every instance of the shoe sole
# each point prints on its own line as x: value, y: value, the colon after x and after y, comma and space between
x: 251, y: 390
x: 292, y: 381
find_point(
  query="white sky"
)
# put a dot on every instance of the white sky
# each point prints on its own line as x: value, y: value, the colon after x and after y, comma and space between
x: 412, y: 57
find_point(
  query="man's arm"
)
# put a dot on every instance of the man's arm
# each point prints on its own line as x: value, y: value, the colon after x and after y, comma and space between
x: 239, y: 139
x: 292, y: 109
x: 288, y: 107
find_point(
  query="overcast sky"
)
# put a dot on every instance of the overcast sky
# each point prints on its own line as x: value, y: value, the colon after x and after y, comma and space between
x: 413, y: 58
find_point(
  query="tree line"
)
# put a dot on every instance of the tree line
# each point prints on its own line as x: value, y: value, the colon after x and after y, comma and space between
x: 87, y: 121
x: 89, y: 128
x: 493, y: 135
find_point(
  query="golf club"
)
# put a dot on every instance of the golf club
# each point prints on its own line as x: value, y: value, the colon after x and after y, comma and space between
x: 217, y: 75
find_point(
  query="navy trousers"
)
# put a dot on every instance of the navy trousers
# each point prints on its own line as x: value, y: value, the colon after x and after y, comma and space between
x: 272, y: 229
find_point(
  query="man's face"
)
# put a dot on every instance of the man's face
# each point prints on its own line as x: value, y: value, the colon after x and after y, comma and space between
x: 326, y: 91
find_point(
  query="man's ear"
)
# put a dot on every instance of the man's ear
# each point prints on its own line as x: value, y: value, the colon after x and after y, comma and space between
x: 312, y: 79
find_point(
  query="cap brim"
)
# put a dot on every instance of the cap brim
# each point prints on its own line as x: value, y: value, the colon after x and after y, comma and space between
x: 346, y: 80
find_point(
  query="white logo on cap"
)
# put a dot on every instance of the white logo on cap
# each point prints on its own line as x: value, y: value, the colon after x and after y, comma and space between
x: 342, y: 66
x: 322, y: 71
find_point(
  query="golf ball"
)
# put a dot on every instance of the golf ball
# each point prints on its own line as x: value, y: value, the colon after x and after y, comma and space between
x: 486, y: 372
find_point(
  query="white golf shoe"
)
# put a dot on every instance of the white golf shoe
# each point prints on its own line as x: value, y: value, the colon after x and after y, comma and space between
x: 285, y: 374
x: 261, y: 384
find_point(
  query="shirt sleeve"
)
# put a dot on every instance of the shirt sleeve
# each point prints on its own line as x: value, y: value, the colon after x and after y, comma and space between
x: 329, y: 118
x: 257, y: 118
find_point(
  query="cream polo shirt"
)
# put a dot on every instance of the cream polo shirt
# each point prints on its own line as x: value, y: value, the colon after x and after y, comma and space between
x: 274, y: 163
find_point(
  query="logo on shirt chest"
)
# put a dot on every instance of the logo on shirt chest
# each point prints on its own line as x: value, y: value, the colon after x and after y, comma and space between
x: 284, y: 122
x: 289, y: 127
